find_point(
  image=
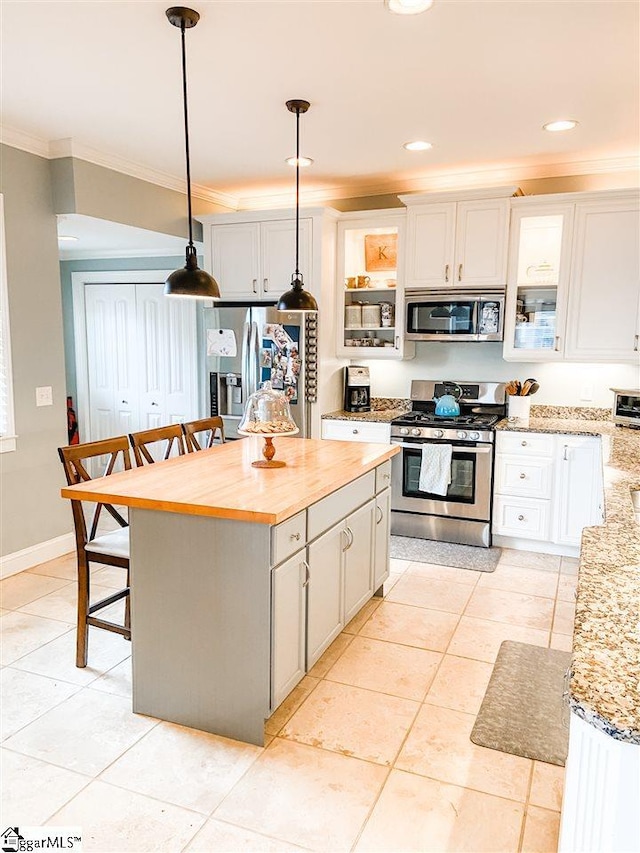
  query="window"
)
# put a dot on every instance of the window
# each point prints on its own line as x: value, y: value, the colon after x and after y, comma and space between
x: 7, y: 426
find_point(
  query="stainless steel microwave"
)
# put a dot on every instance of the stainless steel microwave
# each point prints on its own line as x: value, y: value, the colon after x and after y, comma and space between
x: 626, y: 407
x: 440, y: 315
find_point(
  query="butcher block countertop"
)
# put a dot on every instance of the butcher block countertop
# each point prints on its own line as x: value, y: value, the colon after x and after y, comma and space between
x: 222, y: 483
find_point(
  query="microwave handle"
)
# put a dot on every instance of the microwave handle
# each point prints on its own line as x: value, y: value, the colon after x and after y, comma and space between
x: 476, y: 312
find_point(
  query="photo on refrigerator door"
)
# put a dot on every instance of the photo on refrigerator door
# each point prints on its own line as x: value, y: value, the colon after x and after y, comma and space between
x: 280, y: 360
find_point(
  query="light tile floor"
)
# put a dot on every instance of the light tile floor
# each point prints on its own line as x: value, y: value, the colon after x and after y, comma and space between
x: 370, y: 752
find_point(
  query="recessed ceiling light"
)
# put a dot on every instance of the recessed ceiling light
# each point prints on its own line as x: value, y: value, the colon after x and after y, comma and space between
x: 562, y: 124
x: 408, y: 7
x: 67, y: 237
x: 418, y: 145
x: 304, y: 161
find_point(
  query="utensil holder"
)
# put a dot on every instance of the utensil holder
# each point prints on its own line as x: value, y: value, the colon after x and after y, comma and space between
x: 519, y: 408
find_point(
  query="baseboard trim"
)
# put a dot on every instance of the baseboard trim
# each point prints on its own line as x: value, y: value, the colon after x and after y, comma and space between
x: 533, y: 545
x: 36, y: 554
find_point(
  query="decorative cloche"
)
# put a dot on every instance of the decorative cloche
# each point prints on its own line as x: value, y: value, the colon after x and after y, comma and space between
x: 267, y: 413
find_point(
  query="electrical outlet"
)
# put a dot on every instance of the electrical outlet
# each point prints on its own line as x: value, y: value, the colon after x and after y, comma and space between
x: 586, y: 392
x: 44, y: 396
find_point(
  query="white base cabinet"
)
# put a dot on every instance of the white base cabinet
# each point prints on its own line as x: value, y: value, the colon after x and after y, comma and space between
x: 547, y: 488
x: 351, y: 430
x: 601, y: 793
x: 319, y: 588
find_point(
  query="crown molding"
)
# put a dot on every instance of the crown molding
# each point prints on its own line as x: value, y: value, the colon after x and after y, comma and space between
x: 24, y: 141
x: 70, y: 148
x: 511, y: 173
x: 447, y: 180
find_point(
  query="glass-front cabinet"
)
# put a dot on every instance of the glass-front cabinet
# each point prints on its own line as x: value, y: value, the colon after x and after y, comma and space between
x: 370, y: 288
x: 537, y: 290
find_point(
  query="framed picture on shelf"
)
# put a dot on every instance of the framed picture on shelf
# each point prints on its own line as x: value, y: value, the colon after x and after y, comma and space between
x: 380, y: 252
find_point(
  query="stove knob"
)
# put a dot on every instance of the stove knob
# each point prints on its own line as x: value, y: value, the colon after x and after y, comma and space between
x: 404, y: 431
x: 474, y: 436
x: 438, y: 433
x: 415, y: 431
x: 462, y: 434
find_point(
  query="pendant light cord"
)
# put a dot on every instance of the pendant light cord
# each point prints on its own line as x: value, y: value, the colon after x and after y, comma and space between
x: 297, y: 273
x: 186, y: 128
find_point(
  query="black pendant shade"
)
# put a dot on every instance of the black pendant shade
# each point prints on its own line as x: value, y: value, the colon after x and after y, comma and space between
x: 297, y: 298
x: 190, y: 280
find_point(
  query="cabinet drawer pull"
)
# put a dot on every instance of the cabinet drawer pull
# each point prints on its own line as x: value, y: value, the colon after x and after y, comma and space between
x: 265, y: 284
x: 255, y: 285
x: 295, y: 537
x: 307, y: 573
x: 379, y: 509
x: 521, y: 518
x: 446, y: 272
x: 565, y: 452
x: 557, y: 346
x: 523, y: 476
x: 125, y: 402
x: 460, y: 273
x: 397, y: 341
x: 636, y: 339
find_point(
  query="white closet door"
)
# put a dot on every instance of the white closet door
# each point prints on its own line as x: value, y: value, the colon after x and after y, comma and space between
x: 167, y: 357
x: 112, y: 360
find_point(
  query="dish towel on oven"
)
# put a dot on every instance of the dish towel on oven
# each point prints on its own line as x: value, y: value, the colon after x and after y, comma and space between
x: 435, y: 468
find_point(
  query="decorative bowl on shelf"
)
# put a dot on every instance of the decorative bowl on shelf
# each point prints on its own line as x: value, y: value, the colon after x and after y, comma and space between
x: 267, y: 414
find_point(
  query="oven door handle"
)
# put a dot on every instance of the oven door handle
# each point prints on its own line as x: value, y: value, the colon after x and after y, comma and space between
x: 478, y: 449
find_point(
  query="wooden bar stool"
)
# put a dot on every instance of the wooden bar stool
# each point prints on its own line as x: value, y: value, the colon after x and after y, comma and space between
x: 210, y: 426
x: 110, y: 548
x: 168, y: 438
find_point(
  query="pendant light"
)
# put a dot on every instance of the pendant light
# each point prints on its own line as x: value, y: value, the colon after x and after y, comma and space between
x: 297, y: 298
x: 191, y: 280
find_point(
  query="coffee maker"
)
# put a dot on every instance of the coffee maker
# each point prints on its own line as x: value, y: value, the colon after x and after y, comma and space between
x: 357, y: 389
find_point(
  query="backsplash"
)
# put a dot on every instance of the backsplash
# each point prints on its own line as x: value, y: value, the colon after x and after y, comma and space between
x: 561, y: 383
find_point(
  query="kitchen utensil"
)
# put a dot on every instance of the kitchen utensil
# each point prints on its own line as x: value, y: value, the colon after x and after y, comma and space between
x: 512, y: 387
x: 447, y: 405
x: 533, y: 387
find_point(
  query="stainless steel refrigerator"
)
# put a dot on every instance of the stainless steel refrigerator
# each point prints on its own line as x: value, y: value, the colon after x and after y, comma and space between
x: 248, y: 344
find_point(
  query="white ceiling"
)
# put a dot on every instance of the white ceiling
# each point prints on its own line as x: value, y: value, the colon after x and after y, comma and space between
x: 477, y: 78
x: 97, y: 238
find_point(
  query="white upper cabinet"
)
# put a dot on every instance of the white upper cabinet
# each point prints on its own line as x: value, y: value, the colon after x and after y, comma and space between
x: 461, y: 242
x: 605, y: 289
x: 255, y: 260
x: 369, y: 286
x: 574, y: 278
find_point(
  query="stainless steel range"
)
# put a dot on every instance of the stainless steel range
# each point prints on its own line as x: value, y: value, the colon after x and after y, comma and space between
x: 463, y: 514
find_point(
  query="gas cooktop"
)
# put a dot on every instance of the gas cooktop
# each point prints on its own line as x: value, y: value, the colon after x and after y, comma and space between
x: 483, y: 421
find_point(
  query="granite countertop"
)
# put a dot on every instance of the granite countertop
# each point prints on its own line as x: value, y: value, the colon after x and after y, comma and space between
x: 383, y: 411
x: 605, y: 679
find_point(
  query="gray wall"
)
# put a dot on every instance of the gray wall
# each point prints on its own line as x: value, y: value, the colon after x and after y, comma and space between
x: 82, y: 187
x: 32, y: 510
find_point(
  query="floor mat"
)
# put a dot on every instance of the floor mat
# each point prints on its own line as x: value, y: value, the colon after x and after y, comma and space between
x: 523, y: 711
x: 444, y: 553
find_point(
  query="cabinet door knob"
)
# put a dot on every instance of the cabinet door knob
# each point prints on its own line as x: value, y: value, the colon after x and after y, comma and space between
x: 354, y: 431
x: 295, y: 537
x: 521, y: 518
x: 523, y: 476
x: 460, y: 273
x: 154, y: 404
x: 386, y: 476
x: 524, y: 443
x: 125, y: 402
